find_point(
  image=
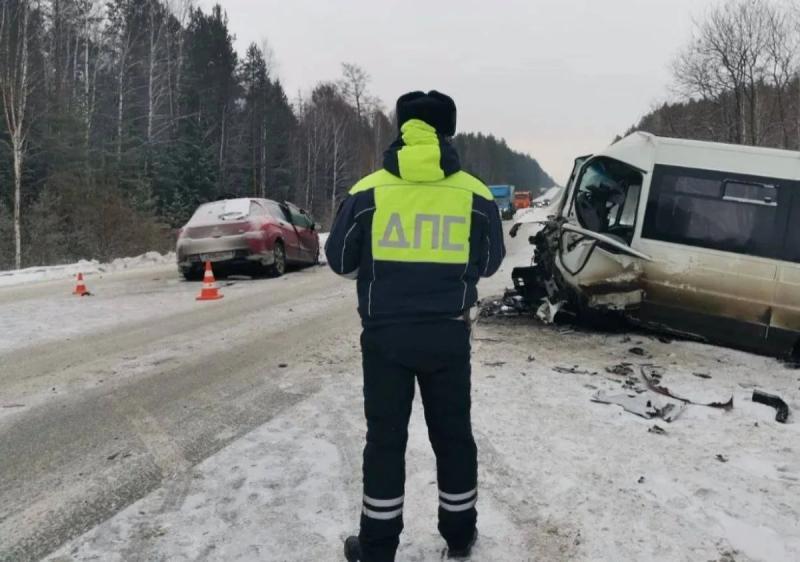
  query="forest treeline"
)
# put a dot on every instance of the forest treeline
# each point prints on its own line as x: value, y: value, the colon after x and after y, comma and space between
x: 737, y: 79
x: 121, y: 116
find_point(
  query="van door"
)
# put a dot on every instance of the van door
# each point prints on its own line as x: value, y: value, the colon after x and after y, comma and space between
x: 715, y: 236
x: 595, y: 256
x: 784, y: 330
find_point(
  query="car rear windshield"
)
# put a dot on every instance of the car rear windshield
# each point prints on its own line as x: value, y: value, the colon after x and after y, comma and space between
x: 221, y: 211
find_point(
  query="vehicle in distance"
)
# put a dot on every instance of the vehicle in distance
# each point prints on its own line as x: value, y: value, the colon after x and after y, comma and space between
x: 254, y: 235
x: 545, y: 199
x: 504, y: 198
x: 522, y: 200
x: 697, y: 238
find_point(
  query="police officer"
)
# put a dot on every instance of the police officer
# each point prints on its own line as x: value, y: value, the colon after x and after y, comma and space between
x: 417, y: 235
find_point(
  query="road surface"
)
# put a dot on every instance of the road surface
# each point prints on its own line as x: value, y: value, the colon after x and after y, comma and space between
x: 95, y: 421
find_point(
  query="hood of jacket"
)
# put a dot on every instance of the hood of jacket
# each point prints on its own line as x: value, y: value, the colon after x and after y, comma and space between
x: 420, y: 154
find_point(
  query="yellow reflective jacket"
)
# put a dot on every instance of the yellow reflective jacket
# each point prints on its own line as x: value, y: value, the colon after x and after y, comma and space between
x: 417, y: 234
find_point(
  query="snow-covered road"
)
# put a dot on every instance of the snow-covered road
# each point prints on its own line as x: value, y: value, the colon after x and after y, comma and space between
x: 140, y: 425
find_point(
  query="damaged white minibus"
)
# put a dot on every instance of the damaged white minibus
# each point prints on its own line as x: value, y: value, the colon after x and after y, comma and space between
x: 696, y: 238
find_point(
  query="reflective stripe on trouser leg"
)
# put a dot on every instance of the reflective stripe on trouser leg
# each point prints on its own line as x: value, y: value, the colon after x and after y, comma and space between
x: 455, y: 503
x: 382, y: 510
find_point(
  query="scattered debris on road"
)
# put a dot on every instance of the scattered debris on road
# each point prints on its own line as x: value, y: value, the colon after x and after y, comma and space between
x: 702, y: 375
x: 781, y: 408
x: 722, y: 458
x: 494, y: 363
x: 573, y: 371
x: 658, y: 430
x: 641, y: 405
x: 652, y: 376
x: 510, y: 304
x: 622, y: 369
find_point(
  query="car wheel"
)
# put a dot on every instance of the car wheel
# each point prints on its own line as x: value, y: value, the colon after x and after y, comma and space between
x: 278, y: 266
x: 192, y: 273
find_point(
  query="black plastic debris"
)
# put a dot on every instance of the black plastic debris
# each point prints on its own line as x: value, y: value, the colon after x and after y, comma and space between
x: 622, y: 369
x: 658, y: 430
x: 511, y: 304
x: 722, y: 458
x: 781, y: 407
x: 702, y: 375
x: 637, y: 351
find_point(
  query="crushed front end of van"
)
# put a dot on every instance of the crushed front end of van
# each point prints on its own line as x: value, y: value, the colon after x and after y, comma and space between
x: 605, y: 298
x: 692, y: 238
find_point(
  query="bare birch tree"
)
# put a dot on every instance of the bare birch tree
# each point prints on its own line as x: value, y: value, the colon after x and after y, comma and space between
x: 353, y: 86
x: 15, y: 88
x: 782, y: 46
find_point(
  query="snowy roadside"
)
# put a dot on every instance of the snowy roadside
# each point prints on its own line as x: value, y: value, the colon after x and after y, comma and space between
x: 93, y: 267
x: 114, y: 301
x: 562, y: 477
x: 87, y: 267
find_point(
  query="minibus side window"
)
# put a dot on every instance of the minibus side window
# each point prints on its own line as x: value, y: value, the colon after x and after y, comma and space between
x: 607, y: 198
x: 716, y: 210
x: 755, y: 193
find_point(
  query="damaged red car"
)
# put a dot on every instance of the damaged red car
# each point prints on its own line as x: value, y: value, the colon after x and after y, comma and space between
x: 255, y: 236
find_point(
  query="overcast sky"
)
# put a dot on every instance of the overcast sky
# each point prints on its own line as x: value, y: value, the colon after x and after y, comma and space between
x: 555, y: 78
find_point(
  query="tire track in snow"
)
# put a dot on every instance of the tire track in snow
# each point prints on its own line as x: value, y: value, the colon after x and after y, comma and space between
x: 507, y: 490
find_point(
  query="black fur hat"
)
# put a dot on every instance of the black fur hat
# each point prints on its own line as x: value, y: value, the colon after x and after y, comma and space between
x: 435, y: 108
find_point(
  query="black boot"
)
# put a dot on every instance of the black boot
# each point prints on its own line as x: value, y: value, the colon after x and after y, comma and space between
x: 463, y: 553
x: 352, y: 549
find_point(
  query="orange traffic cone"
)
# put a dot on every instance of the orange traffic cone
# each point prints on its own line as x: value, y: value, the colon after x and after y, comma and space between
x: 209, y: 292
x: 80, y: 287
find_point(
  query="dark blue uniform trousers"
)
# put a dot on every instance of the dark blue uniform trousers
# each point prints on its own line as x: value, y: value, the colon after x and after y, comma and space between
x: 437, y: 355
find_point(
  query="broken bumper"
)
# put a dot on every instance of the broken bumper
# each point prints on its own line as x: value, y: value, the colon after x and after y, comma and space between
x: 242, y: 248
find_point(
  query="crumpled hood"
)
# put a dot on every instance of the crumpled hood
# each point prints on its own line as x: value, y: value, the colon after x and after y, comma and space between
x: 420, y: 154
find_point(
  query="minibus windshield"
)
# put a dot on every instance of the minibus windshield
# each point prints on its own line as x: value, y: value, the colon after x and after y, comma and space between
x: 607, y: 198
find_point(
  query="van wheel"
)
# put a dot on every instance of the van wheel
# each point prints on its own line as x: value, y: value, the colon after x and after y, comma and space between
x: 278, y: 266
